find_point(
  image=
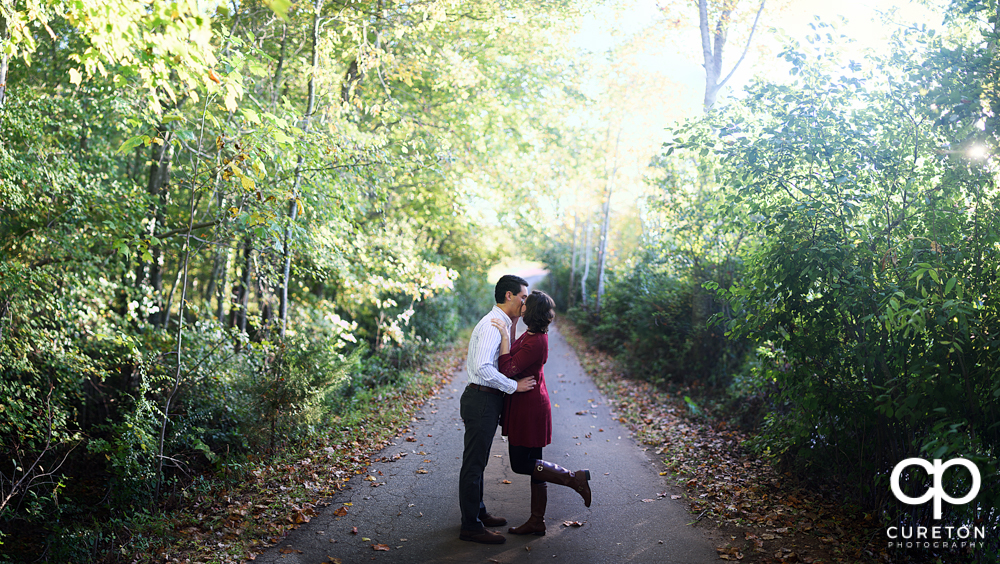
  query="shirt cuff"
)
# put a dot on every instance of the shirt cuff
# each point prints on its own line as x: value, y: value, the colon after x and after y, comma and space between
x: 514, y: 389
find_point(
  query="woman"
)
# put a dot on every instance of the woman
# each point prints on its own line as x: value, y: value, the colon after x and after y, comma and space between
x: 527, y: 416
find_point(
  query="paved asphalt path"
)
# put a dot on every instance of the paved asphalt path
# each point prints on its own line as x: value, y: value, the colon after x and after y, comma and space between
x: 415, y: 513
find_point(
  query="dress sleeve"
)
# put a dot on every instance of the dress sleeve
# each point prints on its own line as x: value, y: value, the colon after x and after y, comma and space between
x: 517, y: 361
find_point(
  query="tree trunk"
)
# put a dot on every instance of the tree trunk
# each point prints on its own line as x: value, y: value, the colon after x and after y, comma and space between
x: 586, y: 265
x: 221, y: 289
x: 571, y: 297
x: 711, y: 73
x: 351, y: 78
x: 293, y: 206
x: 602, y: 256
x: 279, y: 69
x: 244, y: 296
x: 712, y: 55
x: 4, y: 37
x: 165, y: 314
x: 158, y: 177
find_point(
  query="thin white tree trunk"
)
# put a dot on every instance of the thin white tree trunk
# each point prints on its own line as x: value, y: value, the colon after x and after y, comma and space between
x: 602, y: 256
x: 586, y: 265
x: 572, y: 268
x: 293, y: 206
x: 713, y: 56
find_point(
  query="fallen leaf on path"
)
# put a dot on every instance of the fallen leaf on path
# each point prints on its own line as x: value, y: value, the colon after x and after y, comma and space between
x: 729, y: 553
x: 340, y: 512
x: 354, y: 530
x: 506, y: 481
x: 572, y: 524
x: 676, y: 496
x: 421, y: 471
x: 334, y: 560
x: 289, y: 551
x: 583, y: 412
x: 380, y: 547
x: 648, y: 500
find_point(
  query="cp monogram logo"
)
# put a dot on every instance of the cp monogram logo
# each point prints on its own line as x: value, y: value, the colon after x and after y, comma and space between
x: 937, y: 492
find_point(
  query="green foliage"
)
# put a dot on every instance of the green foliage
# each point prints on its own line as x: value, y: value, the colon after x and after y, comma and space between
x: 873, y: 290
x: 131, y: 447
x: 162, y: 163
x: 301, y: 378
x: 648, y: 318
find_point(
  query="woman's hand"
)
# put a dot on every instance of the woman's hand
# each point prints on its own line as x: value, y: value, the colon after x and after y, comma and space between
x: 504, y: 335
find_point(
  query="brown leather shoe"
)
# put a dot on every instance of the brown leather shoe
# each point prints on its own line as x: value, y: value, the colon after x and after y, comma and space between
x: 485, y: 536
x: 491, y: 521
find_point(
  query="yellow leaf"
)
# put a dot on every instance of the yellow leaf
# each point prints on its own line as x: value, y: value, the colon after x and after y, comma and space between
x: 247, y: 183
x: 75, y: 77
x: 231, y: 98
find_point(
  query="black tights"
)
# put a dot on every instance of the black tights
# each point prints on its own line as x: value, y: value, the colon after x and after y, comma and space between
x: 522, y: 459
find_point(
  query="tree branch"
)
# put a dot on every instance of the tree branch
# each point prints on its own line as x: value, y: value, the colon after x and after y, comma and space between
x: 745, y: 49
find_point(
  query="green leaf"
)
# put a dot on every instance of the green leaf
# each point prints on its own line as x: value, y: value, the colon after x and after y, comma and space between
x: 134, y: 142
x: 279, y: 7
x: 951, y: 284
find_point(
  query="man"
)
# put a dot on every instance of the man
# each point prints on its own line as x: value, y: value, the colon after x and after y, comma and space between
x: 481, y: 405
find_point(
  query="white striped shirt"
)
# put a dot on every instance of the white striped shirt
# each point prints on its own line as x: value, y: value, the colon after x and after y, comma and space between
x: 484, y: 350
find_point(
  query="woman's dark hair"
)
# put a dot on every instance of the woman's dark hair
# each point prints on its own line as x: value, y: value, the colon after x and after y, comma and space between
x: 508, y: 283
x: 539, y: 311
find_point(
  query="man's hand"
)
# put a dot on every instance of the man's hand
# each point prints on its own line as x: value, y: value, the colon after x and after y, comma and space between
x: 525, y: 384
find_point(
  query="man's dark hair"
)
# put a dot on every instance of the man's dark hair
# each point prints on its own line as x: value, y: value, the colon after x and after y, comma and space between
x: 508, y: 283
x: 539, y: 311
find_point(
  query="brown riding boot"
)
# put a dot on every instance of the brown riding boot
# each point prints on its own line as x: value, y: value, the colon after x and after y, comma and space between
x: 556, y: 474
x: 535, y: 525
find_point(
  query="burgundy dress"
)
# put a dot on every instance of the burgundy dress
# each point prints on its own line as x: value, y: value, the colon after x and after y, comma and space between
x: 527, y: 416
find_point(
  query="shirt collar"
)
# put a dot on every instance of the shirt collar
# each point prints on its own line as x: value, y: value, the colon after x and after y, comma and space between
x: 504, y: 314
